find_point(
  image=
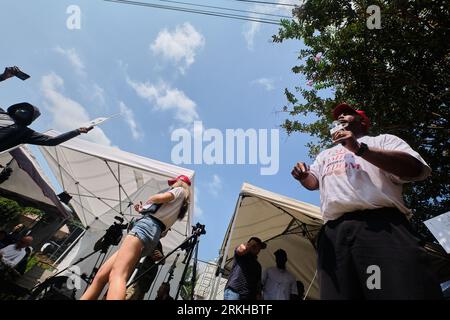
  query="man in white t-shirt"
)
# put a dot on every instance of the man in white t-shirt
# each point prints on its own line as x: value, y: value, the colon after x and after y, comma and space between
x: 277, y: 282
x: 11, y: 255
x: 366, y: 249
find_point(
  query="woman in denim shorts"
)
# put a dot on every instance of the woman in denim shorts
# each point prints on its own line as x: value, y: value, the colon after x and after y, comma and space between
x: 141, y: 240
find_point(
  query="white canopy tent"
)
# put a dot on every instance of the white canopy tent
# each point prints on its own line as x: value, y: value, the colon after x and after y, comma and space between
x: 28, y: 180
x: 280, y: 222
x: 104, y: 182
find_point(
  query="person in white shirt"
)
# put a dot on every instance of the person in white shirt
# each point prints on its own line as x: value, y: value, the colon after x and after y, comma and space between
x: 11, y: 255
x: 277, y: 282
x: 367, y: 249
x: 141, y: 240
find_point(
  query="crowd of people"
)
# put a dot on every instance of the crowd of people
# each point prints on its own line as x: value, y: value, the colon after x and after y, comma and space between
x: 15, y: 249
x: 247, y: 281
x: 366, y: 223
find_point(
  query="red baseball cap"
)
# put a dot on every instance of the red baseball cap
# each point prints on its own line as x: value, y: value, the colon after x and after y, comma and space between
x: 182, y: 178
x: 342, y: 107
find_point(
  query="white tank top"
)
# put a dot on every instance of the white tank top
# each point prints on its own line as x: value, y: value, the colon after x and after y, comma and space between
x: 168, y: 212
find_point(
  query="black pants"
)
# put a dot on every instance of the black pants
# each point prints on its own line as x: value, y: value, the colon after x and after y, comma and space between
x: 373, y: 254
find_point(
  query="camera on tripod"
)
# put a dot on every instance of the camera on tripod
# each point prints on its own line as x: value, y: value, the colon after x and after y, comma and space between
x: 112, y: 236
x: 198, y: 229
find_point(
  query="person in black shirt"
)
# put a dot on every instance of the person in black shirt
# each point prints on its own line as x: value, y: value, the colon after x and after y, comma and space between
x: 14, y: 128
x: 3, y: 238
x: 17, y: 233
x: 244, y: 281
x: 163, y: 292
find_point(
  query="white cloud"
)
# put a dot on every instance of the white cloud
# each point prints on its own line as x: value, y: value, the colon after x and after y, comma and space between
x: 179, y: 46
x: 93, y: 93
x: 163, y: 97
x: 215, y: 185
x: 198, y: 212
x: 129, y: 119
x: 74, y: 59
x: 251, y: 29
x: 66, y: 113
x: 267, y: 83
x: 98, y: 93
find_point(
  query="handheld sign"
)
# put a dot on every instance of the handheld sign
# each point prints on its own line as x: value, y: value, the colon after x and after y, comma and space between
x: 440, y: 228
x: 100, y: 120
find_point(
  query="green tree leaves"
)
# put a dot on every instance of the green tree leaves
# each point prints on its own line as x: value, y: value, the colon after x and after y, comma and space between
x: 398, y: 74
x: 10, y: 211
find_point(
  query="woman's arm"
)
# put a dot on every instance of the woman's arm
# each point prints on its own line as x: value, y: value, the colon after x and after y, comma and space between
x: 161, y: 198
x: 41, y: 139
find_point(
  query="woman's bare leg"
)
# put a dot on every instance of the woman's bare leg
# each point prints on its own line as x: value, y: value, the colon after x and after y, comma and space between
x: 124, y: 264
x: 100, y: 279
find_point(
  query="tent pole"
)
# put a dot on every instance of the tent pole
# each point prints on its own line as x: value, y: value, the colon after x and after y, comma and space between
x: 120, y: 193
x: 118, y: 180
x: 59, y: 169
x: 303, y: 225
x: 81, y: 203
x: 215, y: 286
x: 49, y: 238
x: 69, y: 248
x: 310, y: 285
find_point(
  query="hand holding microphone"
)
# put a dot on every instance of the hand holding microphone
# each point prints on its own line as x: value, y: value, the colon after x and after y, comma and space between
x: 335, y: 129
x: 345, y: 137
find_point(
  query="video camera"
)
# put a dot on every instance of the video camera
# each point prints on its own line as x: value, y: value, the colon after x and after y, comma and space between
x: 112, y: 236
x: 198, y: 229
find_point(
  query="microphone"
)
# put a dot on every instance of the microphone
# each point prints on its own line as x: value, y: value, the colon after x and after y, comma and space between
x: 335, y: 127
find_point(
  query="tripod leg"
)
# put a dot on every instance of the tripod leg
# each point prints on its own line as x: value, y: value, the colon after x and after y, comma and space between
x: 61, y: 271
x: 188, y: 260
x: 94, y: 271
x: 194, y: 271
x: 182, y: 245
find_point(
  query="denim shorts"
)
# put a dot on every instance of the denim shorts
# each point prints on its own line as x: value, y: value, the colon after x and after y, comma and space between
x: 230, y: 294
x: 148, y: 231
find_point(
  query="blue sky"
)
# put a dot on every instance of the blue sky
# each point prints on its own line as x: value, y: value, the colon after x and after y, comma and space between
x: 162, y: 70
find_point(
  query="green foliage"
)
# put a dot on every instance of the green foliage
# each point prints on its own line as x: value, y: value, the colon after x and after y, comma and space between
x: 34, y: 212
x: 75, y: 222
x: 398, y: 74
x: 187, y: 287
x: 10, y: 211
x: 40, y: 260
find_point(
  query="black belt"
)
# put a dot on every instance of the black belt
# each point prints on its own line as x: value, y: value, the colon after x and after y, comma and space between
x: 388, y: 213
